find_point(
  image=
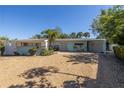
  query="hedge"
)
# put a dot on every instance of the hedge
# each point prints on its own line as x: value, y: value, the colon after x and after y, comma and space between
x: 2, y: 49
x: 119, y: 52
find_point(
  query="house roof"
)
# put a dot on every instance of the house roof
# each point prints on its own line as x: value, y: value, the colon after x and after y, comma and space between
x: 30, y: 40
x: 41, y: 40
x: 82, y: 39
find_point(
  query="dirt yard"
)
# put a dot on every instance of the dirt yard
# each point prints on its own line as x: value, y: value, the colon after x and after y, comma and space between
x: 58, y: 70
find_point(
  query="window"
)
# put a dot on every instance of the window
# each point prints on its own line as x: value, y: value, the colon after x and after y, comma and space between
x: 78, y: 44
x: 78, y: 47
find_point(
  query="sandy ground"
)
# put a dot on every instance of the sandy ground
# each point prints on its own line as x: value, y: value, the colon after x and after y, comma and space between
x: 58, y: 69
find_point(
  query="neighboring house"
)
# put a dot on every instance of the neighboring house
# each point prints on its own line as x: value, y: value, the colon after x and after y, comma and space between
x: 72, y: 45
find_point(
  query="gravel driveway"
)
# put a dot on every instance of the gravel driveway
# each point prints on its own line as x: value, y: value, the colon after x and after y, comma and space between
x: 58, y: 70
x: 110, y: 72
x: 68, y: 70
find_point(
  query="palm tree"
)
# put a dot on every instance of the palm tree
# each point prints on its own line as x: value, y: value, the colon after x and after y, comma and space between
x: 73, y: 35
x: 79, y: 35
x: 51, y: 34
x: 86, y: 34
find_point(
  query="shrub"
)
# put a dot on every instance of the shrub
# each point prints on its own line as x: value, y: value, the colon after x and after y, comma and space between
x: 56, y: 48
x: 16, y: 53
x: 119, y: 52
x: 32, y: 51
x: 2, y: 49
x: 51, y: 48
x: 47, y: 52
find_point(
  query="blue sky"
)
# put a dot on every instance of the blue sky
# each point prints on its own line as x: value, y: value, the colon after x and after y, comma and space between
x: 24, y: 21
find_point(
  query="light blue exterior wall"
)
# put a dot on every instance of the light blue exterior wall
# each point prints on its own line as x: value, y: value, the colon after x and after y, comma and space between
x: 24, y: 49
x: 94, y: 46
x: 70, y: 46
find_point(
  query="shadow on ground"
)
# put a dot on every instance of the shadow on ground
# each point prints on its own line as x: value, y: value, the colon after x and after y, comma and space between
x: 39, y: 71
x: 82, y: 58
x: 80, y: 82
x: 43, y: 83
x: 110, y: 74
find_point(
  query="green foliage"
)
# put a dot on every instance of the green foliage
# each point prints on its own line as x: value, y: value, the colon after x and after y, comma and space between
x: 51, y: 34
x: 86, y: 34
x: 119, y: 52
x: 16, y: 54
x: 47, y: 52
x: 110, y: 25
x: 73, y: 35
x: 79, y: 35
x: 2, y: 49
x: 63, y: 36
x: 32, y: 51
x: 4, y: 38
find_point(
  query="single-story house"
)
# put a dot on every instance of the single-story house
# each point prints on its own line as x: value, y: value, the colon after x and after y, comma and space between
x: 72, y: 45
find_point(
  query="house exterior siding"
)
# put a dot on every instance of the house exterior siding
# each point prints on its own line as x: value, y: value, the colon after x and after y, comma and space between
x: 96, y: 46
x: 23, y: 50
x: 72, y: 45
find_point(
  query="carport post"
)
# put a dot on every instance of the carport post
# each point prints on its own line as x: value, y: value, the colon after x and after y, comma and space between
x: 104, y: 46
x: 46, y: 44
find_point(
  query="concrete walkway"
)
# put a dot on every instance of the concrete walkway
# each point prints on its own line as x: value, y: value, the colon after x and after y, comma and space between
x: 74, y: 53
x: 110, y: 72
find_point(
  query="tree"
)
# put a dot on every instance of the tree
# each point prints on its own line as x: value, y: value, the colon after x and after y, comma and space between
x: 73, y: 35
x: 63, y: 35
x: 4, y: 38
x: 2, y: 49
x: 51, y: 34
x: 79, y: 35
x: 86, y: 34
x: 110, y: 25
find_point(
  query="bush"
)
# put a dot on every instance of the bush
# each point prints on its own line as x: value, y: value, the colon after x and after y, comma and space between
x: 119, y: 52
x: 16, y: 54
x: 47, y: 52
x: 56, y: 48
x: 2, y: 49
x: 32, y: 51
